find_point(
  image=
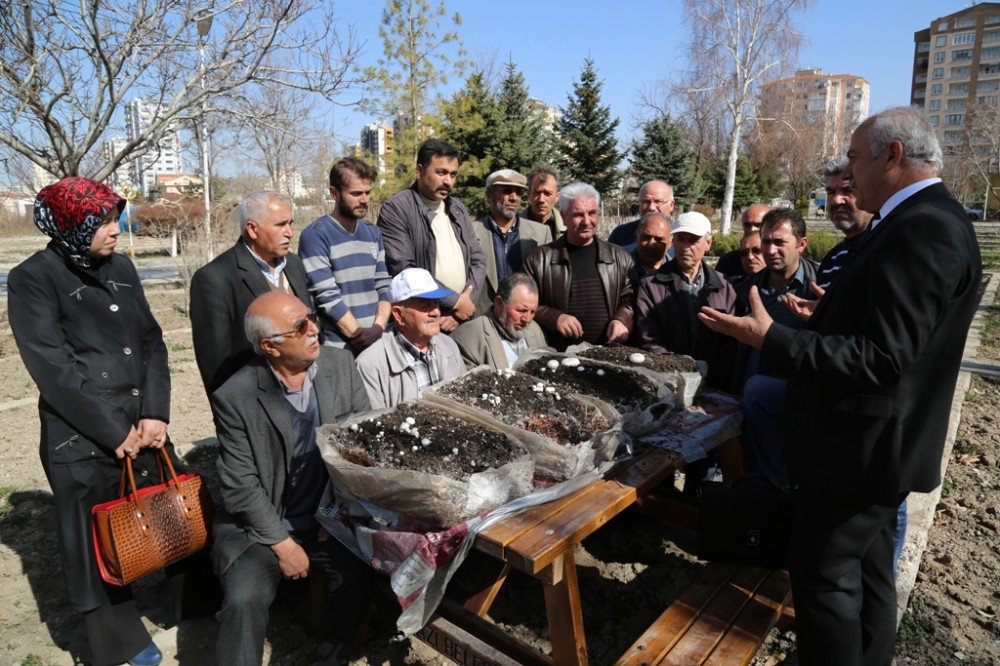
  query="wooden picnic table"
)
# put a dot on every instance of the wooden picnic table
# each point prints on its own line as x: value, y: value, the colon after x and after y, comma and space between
x: 540, y: 542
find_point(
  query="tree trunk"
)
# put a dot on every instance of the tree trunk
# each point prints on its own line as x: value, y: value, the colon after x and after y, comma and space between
x: 726, y: 215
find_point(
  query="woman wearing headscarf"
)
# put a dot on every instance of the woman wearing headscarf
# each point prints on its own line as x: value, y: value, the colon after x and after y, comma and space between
x: 87, y: 337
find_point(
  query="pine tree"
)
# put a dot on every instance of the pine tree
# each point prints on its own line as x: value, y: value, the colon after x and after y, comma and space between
x: 746, y: 189
x: 470, y: 120
x: 419, y: 54
x: 520, y: 140
x: 662, y: 154
x: 587, y: 135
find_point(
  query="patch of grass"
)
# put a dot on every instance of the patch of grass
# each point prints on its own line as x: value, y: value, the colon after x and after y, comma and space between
x: 179, y: 347
x: 968, y: 447
x: 5, y: 504
x: 946, y: 487
x: 991, y: 259
x: 973, y: 398
x: 33, y: 660
x: 912, y: 629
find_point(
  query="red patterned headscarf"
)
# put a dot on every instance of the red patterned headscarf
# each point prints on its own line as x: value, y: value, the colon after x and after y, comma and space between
x: 69, y: 212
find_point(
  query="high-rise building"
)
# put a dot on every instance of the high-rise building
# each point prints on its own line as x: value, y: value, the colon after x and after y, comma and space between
x: 827, y: 106
x: 956, y: 66
x: 377, y: 140
x: 122, y: 173
x: 549, y: 114
x: 164, y: 158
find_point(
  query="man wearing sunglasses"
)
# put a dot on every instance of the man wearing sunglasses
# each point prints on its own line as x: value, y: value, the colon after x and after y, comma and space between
x: 272, y: 479
x: 410, y: 356
x: 506, y: 238
x: 751, y: 254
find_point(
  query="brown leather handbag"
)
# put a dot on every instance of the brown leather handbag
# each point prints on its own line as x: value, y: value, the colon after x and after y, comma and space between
x: 151, y: 527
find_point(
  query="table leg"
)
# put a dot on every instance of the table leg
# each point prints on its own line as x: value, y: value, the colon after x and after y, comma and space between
x: 562, y: 604
x: 730, y: 457
x: 492, y: 577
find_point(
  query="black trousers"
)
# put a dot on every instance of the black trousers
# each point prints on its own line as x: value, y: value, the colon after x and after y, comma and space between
x: 842, y: 581
x: 251, y: 582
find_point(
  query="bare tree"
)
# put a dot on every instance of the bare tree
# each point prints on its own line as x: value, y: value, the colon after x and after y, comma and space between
x: 735, y: 46
x: 66, y: 68
x: 981, y: 148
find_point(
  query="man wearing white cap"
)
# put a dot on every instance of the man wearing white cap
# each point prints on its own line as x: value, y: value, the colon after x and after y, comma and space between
x: 668, y: 301
x: 410, y: 356
x: 506, y: 238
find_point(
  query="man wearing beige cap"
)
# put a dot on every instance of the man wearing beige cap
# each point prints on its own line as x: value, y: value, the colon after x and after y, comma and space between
x: 410, y: 356
x: 668, y: 301
x: 505, y: 238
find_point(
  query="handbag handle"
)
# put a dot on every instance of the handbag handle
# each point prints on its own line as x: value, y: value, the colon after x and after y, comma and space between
x: 128, y: 472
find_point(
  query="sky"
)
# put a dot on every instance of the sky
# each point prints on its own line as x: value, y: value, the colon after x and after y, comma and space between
x: 636, y: 43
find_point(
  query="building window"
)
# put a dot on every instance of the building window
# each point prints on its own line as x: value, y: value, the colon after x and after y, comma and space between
x: 923, y: 47
x: 936, y: 89
x: 953, y: 136
x: 988, y: 85
x: 995, y: 18
x: 941, y: 41
x: 942, y: 26
x: 959, y: 72
x: 939, y: 56
x: 992, y: 52
x: 817, y: 104
x: 966, y: 23
x: 956, y: 104
x: 993, y: 68
x: 935, y: 104
x: 919, y: 94
x: 963, y: 38
x: 992, y: 100
x: 935, y: 121
x: 920, y: 78
x: 953, y: 119
x: 958, y: 88
x: 992, y: 36
x: 938, y: 72
x: 963, y: 54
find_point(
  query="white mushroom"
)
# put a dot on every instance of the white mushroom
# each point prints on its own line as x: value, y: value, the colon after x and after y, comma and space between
x: 571, y: 362
x: 600, y: 373
x: 637, y: 358
x: 411, y: 420
x: 425, y: 442
x: 553, y: 364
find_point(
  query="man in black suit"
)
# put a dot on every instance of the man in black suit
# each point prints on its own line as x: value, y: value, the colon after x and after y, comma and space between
x: 871, y: 381
x: 222, y: 290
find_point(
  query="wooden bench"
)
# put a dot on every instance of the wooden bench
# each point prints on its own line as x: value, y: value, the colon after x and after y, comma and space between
x: 722, y: 618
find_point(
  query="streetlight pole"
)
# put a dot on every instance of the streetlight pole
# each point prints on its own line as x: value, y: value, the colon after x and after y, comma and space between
x: 204, y: 25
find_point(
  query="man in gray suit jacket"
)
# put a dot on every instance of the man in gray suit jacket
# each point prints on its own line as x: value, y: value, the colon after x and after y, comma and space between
x: 506, y: 239
x: 221, y: 290
x: 272, y: 479
x: 507, y: 330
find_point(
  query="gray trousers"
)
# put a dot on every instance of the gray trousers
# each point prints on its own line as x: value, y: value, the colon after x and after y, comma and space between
x: 250, y: 585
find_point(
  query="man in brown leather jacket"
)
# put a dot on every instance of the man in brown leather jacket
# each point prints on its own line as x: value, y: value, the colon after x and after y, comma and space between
x: 584, y: 291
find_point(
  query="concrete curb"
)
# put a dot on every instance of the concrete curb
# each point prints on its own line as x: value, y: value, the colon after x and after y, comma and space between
x: 922, y: 506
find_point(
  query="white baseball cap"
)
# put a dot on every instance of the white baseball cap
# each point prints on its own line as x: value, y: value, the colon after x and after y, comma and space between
x: 415, y: 283
x: 691, y: 223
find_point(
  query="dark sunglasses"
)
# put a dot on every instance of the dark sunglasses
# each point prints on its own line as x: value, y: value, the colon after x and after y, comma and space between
x: 301, y: 325
x: 747, y: 251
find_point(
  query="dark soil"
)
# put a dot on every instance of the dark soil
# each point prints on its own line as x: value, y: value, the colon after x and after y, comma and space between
x: 433, y: 442
x: 626, y: 389
x: 523, y: 401
x: 620, y: 354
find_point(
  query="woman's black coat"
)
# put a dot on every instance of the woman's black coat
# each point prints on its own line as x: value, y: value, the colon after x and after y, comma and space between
x: 91, y: 344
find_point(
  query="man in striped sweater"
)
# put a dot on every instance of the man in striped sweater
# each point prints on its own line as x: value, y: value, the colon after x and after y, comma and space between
x: 344, y: 259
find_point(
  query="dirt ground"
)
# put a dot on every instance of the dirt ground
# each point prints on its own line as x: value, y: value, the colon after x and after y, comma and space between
x: 629, y: 571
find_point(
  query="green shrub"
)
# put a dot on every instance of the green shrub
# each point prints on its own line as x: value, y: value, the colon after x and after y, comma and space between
x: 821, y: 242
x: 722, y: 243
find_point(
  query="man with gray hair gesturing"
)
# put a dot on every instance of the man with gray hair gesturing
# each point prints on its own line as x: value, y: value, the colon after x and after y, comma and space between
x: 584, y: 293
x: 222, y: 290
x: 871, y: 380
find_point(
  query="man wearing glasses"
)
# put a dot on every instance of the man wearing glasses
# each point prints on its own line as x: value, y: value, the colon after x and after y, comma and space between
x: 506, y: 238
x: 411, y: 355
x: 272, y: 479
x: 655, y: 196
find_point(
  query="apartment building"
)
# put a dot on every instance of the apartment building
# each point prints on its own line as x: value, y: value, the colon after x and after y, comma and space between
x: 164, y: 159
x: 956, y: 65
x: 827, y: 106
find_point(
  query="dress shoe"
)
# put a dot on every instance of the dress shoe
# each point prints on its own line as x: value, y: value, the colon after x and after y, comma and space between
x: 150, y: 656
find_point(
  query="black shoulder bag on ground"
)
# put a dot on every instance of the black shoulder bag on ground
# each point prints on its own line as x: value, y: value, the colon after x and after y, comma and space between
x: 746, y: 522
